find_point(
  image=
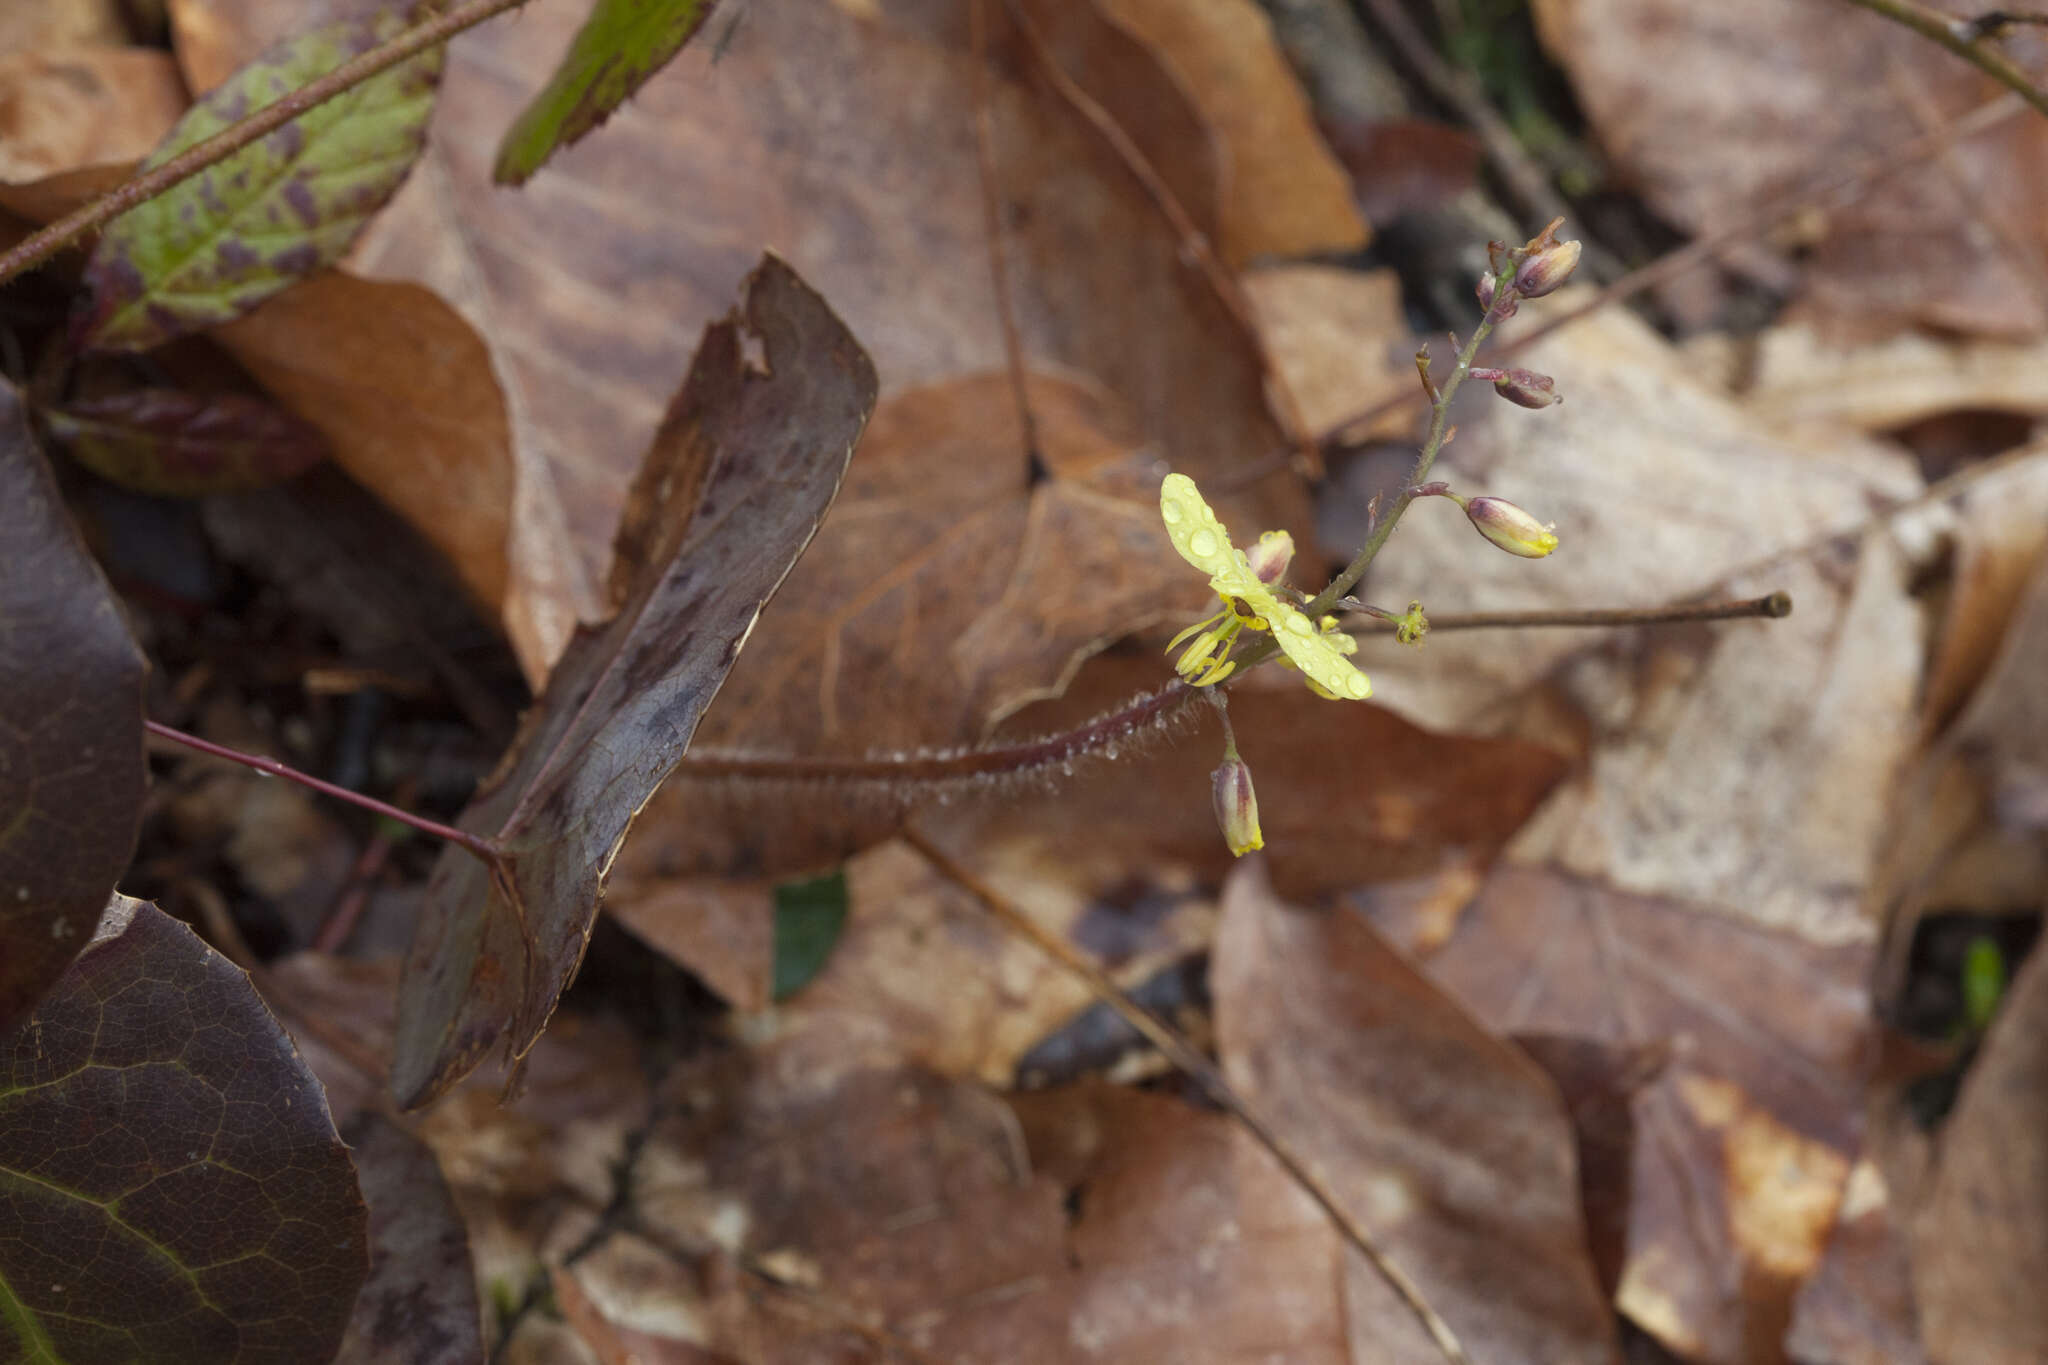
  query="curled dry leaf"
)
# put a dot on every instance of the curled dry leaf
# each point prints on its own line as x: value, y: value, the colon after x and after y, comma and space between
x: 733, y: 489
x: 419, y: 1305
x: 177, y: 444
x: 1447, y: 1144
x: 171, y: 1186
x: 1775, y: 96
x: 71, y: 768
x: 1283, y: 193
x: 216, y: 245
x: 1744, y: 1138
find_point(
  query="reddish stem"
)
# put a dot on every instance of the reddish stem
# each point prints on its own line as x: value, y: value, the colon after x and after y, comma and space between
x: 475, y: 843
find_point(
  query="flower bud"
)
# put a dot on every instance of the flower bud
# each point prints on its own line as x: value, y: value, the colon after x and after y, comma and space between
x: 1487, y: 287
x: 1270, y: 557
x: 1509, y: 527
x: 1527, y: 388
x: 1547, y: 269
x: 1237, y: 808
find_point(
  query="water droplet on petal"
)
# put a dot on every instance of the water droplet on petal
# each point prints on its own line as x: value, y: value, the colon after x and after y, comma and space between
x: 1357, y: 686
x: 1170, y: 512
x: 1202, y: 543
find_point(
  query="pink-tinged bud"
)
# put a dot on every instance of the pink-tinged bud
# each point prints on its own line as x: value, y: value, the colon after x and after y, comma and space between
x: 1509, y: 527
x: 1488, y: 287
x: 1527, y: 388
x: 1270, y: 557
x: 1547, y: 269
x: 1237, y: 807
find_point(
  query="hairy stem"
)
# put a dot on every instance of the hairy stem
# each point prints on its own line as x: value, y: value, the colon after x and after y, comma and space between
x: 40, y: 246
x: 477, y: 844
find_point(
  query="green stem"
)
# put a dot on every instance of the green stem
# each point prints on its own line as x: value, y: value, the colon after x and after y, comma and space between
x: 1431, y: 448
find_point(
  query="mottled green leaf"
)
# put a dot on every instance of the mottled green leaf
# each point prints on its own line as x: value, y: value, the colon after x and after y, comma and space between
x: 71, y: 768
x: 185, y: 445
x: 215, y: 246
x: 171, y: 1187
x: 740, y: 473
x: 620, y: 45
x: 809, y: 916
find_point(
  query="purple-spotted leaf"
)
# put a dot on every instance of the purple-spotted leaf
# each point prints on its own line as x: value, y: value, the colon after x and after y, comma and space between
x: 620, y: 45
x: 741, y: 471
x: 71, y: 769
x: 185, y: 445
x: 215, y: 246
x: 171, y: 1187
x: 418, y: 1306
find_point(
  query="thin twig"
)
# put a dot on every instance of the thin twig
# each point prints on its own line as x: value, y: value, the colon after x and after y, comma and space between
x: 1194, y: 243
x: 1994, y: 23
x: 1753, y: 222
x: 992, y: 225
x: 1198, y: 1068
x: 477, y: 844
x: 1964, y: 38
x: 40, y: 246
x: 1772, y: 606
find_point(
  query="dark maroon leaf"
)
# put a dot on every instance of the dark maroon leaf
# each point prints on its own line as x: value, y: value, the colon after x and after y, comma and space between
x: 71, y: 771
x: 171, y: 1187
x: 739, y: 476
x: 177, y: 444
x: 419, y: 1305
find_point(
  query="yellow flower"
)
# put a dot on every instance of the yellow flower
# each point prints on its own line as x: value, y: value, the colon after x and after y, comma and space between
x: 1249, y: 604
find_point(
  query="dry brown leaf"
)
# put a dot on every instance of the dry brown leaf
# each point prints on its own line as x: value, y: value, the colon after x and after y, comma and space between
x: 1966, y: 825
x: 1744, y: 1141
x: 1858, y: 1309
x: 1880, y: 386
x: 590, y: 284
x: 1773, y: 95
x: 1980, y: 1245
x: 1449, y: 1145
x: 86, y: 106
x: 2001, y: 532
x: 1283, y: 193
x: 1191, y: 1244
x: 402, y: 389
x: 77, y: 23
x: 1339, y: 339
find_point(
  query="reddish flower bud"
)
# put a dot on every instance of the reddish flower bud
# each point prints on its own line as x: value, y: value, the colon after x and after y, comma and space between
x: 1509, y: 527
x: 1270, y: 557
x: 1547, y: 269
x: 1237, y: 807
x: 1527, y: 388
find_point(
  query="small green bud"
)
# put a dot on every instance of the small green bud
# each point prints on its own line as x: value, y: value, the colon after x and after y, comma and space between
x: 1237, y: 806
x: 1509, y: 527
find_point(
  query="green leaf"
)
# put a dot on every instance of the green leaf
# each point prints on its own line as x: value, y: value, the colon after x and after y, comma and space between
x: 1984, y: 980
x: 747, y: 459
x: 620, y: 45
x: 71, y: 765
x: 808, y: 918
x: 215, y: 246
x: 171, y: 1187
x: 185, y: 445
